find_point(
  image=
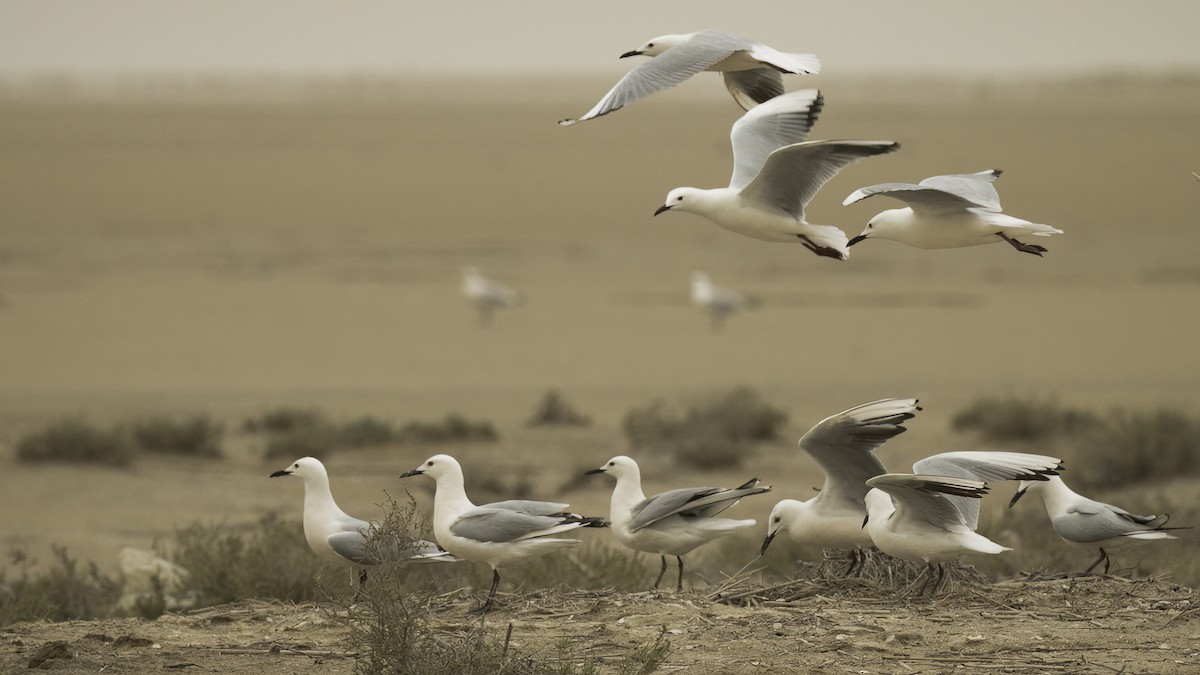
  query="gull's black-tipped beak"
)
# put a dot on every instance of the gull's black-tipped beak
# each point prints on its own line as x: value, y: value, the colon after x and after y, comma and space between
x: 1018, y: 495
x: 593, y: 471
x: 865, y: 519
x: 664, y: 207
x: 277, y: 474
x: 414, y: 472
x: 856, y: 240
x: 767, y: 542
x: 629, y: 54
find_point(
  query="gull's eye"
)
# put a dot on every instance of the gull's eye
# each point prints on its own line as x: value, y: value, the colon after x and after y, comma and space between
x: 679, y: 199
x: 650, y: 45
x: 429, y: 463
x: 296, y: 465
x: 777, y: 519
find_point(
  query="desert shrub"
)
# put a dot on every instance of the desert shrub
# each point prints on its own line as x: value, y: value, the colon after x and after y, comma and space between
x: 554, y: 410
x: 366, y: 432
x: 75, y: 440
x: 317, y: 441
x: 272, y: 560
x: 715, y: 432
x: 1014, y: 419
x: 63, y: 592
x: 284, y: 419
x: 452, y: 427
x: 1132, y: 446
x: 197, y: 436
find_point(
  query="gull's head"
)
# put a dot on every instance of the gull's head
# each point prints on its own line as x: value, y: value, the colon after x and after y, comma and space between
x: 657, y: 45
x: 1025, y: 486
x: 781, y: 517
x: 886, y: 225
x: 684, y: 199
x: 618, y: 467
x: 879, y: 503
x: 436, y: 467
x: 305, y: 467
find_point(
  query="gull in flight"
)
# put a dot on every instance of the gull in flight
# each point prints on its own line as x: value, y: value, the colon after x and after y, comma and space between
x: 672, y: 522
x: 486, y: 295
x: 844, y: 444
x: 343, y: 539
x: 751, y: 70
x: 716, y: 301
x: 776, y: 174
x: 499, y: 534
x: 1090, y: 523
x: 948, y: 212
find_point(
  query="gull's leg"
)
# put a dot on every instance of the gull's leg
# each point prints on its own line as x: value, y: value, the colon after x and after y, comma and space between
x: 1023, y: 247
x: 661, y: 571
x: 853, y: 562
x: 1102, y: 559
x: 491, y: 598
x: 941, y: 577
x: 679, y: 583
x: 362, y: 585
x: 1107, y: 561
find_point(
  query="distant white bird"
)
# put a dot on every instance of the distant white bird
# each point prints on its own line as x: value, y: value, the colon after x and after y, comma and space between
x: 844, y: 446
x: 775, y: 175
x: 909, y: 517
x: 716, y: 301
x: 499, y: 534
x: 486, y: 295
x: 751, y: 69
x: 672, y: 522
x: 1090, y: 523
x: 948, y: 212
x: 342, y: 539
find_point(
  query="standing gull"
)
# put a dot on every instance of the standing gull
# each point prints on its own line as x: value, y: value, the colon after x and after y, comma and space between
x: 751, y: 69
x: 1090, y: 523
x: 342, y: 539
x: 716, y: 301
x: 486, y: 295
x: 948, y: 212
x: 775, y: 175
x: 499, y: 534
x: 672, y: 522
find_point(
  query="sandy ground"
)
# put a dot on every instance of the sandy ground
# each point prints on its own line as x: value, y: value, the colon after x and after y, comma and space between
x: 1064, y: 625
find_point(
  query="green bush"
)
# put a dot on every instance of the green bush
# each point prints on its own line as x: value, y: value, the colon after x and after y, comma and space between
x: 1014, y: 419
x: 75, y: 440
x: 197, y: 436
x: 715, y: 432
x: 555, y: 411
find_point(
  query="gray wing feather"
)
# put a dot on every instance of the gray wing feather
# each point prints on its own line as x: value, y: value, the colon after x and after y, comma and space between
x: 353, y: 547
x: 665, y: 71
x: 939, y: 194
x: 793, y: 174
x: 690, y: 502
x: 751, y: 87
x: 925, y: 497
x: 1094, y: 521
x: 528, y: 507
x: 782, y: 121
x: 986, y: 466
x: 500, y: 525
x: 843, y: 446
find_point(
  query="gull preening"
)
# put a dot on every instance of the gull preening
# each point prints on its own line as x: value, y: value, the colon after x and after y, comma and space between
x: 673, y: 522
x: 716, y: 301
x: 486, y: 295
x: 931, y: 515
x: 751, y: 70
x: 1090, y: 523
x: 948, y: 212
x: 776, y: 174
x: 342, y: 539
x: 499, y: 534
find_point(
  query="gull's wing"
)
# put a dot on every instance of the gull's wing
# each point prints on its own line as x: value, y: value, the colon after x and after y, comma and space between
x: 843, y: 446
x: 781, y: 121
x: 666, y: 70
x: 505, y: 525
x: 691, y: 502
x: 353, y: 546
x: 793, y: 174
x: 1090, y: 520
x: 529, y: 507
x: 939, y: 194
x: 986, y: 466
x: 924, y: 498
x: 751, y: 87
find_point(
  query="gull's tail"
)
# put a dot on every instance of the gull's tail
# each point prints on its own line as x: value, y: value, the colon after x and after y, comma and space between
x: 825, y: 240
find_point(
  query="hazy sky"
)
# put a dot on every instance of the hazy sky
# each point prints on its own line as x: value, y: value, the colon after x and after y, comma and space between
x: 960, y: 36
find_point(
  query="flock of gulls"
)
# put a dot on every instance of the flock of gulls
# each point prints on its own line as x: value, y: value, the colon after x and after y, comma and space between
x: 930, y: 515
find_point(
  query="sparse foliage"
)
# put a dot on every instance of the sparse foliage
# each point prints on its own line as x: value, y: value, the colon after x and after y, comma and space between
x: 76, y: 440
x: 555, y: 411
